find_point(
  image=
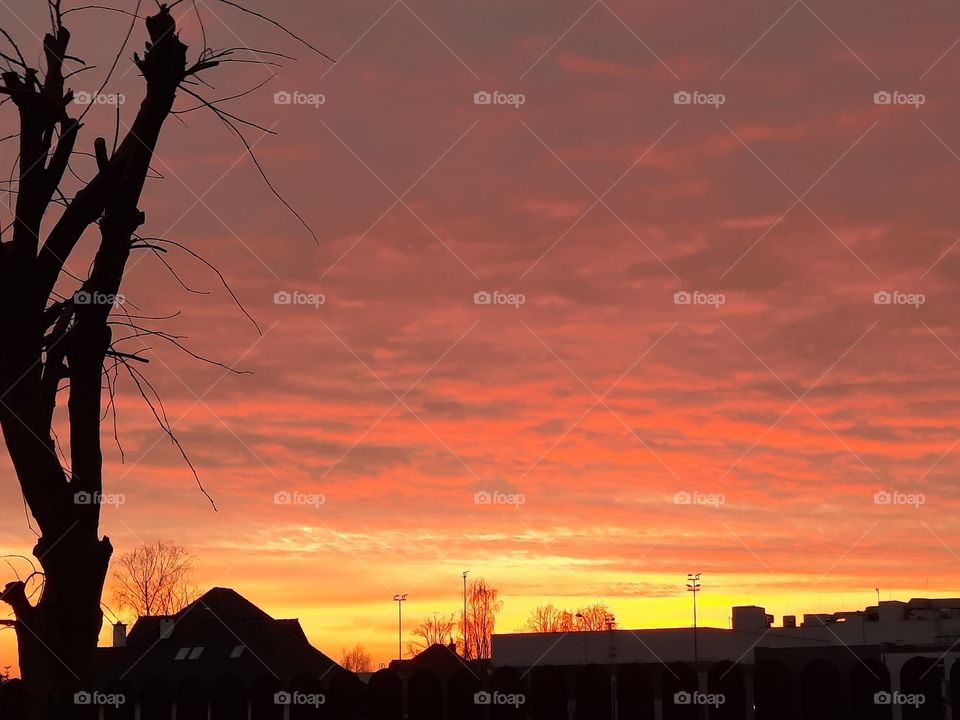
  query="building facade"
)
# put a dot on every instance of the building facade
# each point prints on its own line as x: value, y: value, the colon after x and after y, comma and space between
x: 893, y: 660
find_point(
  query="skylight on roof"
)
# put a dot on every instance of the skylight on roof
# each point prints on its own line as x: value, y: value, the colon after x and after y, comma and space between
x: 237, y: 651
x: 195, y: 653
x: 181, y: 653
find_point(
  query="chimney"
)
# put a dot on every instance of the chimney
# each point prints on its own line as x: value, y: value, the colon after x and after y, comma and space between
x: 119, y: 635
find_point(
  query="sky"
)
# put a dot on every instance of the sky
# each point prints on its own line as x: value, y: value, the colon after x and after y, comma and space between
x: 679, y: 298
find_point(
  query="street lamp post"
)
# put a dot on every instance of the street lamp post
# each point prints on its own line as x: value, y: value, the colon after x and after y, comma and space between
x: 693, y: 586
x: 582, y: 619
x: 466, y: 647
x: 610, y: 622
x: 398, y: 599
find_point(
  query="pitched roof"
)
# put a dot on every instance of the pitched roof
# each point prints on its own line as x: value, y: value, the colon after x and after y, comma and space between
x: 220, y: 633
x: 441, y: 660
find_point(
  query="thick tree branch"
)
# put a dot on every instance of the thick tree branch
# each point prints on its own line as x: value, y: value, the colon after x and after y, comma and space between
x: 15, y: 596
x: 163, y: 66
x: 120, y: 182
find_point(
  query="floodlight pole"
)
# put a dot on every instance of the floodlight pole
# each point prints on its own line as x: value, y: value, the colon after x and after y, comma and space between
x: 693, y: 586
x: 466, y: 646
x: 398, y: 599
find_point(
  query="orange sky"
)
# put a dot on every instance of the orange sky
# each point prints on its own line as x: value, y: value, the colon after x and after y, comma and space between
x: 597, y: 399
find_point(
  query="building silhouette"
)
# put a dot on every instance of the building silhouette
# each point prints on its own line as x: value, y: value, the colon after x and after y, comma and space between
x: 219, y: 657
x: 892, y: 660
x: 222, y: 658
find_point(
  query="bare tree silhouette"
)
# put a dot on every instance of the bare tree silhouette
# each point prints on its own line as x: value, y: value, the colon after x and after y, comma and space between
x: 597, y: 616
x: 436, y: 630
x: 52, y: 341
x: 483, y: 606
x: 357, y: 659
x: 547, y: 618
x: 154, y: 579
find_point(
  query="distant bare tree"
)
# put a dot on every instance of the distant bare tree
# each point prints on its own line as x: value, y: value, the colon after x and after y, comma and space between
x: 483, y: 605
x: 547, y: 618
x: 356, y: 659
x: 598, y: 616
x: 437, y: 630
x: 154, y: 579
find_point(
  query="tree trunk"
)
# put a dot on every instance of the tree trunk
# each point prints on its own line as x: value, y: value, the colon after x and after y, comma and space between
x: 57, y: 637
